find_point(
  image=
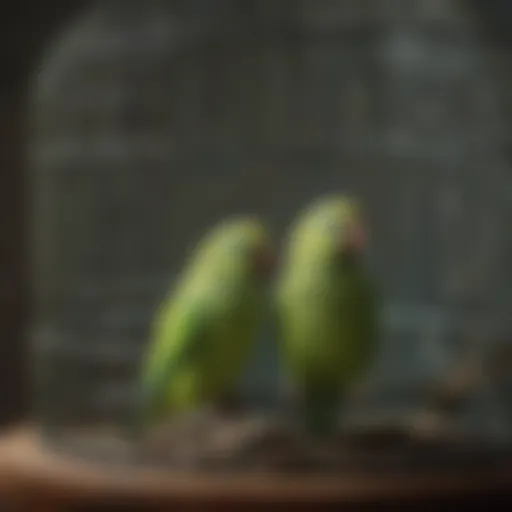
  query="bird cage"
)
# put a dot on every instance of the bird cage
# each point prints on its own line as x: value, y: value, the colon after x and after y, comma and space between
x: 155, y: 119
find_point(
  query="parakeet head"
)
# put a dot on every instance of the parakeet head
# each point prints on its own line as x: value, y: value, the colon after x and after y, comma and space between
x: 333, y: 227
x: 242, y: 242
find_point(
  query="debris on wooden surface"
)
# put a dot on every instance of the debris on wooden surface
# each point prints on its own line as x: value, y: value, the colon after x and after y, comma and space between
x: 209, y: 440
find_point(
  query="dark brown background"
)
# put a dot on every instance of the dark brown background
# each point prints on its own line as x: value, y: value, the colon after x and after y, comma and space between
x: 24, y: 27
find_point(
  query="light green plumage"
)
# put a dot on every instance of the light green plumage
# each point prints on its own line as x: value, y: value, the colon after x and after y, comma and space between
x: 203, y: 333
x: 326, y: 309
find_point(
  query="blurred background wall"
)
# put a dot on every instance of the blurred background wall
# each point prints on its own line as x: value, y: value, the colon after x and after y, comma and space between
x: 24, y: 28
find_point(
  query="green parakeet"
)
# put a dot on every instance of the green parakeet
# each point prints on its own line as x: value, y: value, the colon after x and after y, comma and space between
x: 203, y: 333
x: 326, y: 308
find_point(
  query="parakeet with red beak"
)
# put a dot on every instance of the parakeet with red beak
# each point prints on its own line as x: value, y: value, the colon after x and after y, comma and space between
x: 326, y: 308
x: 203, y: 333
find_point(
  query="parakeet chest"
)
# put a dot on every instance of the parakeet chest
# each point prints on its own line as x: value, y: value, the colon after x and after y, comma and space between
x: 230, y: 321
x: 323, y: 318
x: 233, y: 324
x: 318, y: 297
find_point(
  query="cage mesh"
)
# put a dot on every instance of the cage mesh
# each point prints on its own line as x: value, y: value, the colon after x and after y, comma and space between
x: 154, y: 119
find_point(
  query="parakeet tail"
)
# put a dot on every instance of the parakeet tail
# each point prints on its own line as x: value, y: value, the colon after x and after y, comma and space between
x: 320, y: 414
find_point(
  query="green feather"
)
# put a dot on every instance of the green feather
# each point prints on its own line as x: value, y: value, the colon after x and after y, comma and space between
x: 327, y: 311
x: 203, y: 333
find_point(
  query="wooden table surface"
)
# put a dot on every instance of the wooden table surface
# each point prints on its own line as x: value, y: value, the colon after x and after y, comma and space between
x: 33, y: 478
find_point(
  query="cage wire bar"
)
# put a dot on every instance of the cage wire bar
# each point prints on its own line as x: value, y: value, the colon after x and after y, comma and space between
x: 152, y: 119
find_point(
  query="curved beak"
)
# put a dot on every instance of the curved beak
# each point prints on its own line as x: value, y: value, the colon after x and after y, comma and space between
x: 265, y: 261
x: 357, y: 237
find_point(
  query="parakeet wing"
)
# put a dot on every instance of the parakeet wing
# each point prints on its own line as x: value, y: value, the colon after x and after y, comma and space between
x: 190, y: 343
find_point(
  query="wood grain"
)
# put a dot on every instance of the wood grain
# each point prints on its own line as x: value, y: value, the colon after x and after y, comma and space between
x: 31, y: 477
